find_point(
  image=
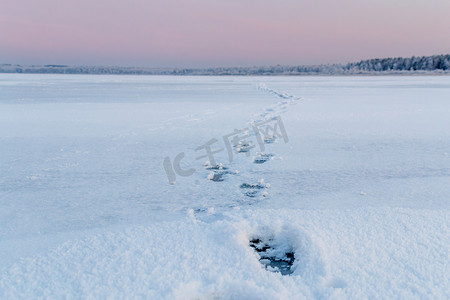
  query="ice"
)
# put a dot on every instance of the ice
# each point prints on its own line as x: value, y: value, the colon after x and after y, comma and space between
x: 359, y: 193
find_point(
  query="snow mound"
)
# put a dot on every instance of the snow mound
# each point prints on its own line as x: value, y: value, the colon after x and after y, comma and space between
x: 362, y: 253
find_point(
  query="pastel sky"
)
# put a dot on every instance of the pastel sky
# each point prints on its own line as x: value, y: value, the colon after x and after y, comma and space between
x: 199, y: 33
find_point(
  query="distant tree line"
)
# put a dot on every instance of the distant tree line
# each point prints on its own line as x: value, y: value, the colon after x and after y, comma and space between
x: 415, y: 63
x: 398, y: 65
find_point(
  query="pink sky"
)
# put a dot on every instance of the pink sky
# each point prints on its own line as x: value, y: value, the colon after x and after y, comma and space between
x: 199, y: 33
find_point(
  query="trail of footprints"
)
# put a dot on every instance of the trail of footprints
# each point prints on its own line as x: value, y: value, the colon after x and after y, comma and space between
x: 269, y: 256
x: 275, y: 252
x: 219, y: 172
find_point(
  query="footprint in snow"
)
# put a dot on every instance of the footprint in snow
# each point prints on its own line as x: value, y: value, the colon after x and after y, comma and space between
x: 271, y: 257
x: 244, y: 147
x: 290, y: 251
x: 262, y: 158
x: 252, y: 190
x: 218, y: 171
x: 269, y: 139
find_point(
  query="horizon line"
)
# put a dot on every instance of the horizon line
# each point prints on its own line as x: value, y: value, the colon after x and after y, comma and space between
x: 49, y: 65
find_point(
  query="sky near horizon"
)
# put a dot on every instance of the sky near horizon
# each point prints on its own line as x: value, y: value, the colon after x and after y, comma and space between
x: 201, y: 33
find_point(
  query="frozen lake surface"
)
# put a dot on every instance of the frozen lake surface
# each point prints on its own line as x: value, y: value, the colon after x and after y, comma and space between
x: 352, y: 200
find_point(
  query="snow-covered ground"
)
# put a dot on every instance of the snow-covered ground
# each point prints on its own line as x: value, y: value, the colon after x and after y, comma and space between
x: 352, y: 202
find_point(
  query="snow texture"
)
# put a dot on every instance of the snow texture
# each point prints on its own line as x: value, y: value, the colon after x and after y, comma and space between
x: 355, y: 202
